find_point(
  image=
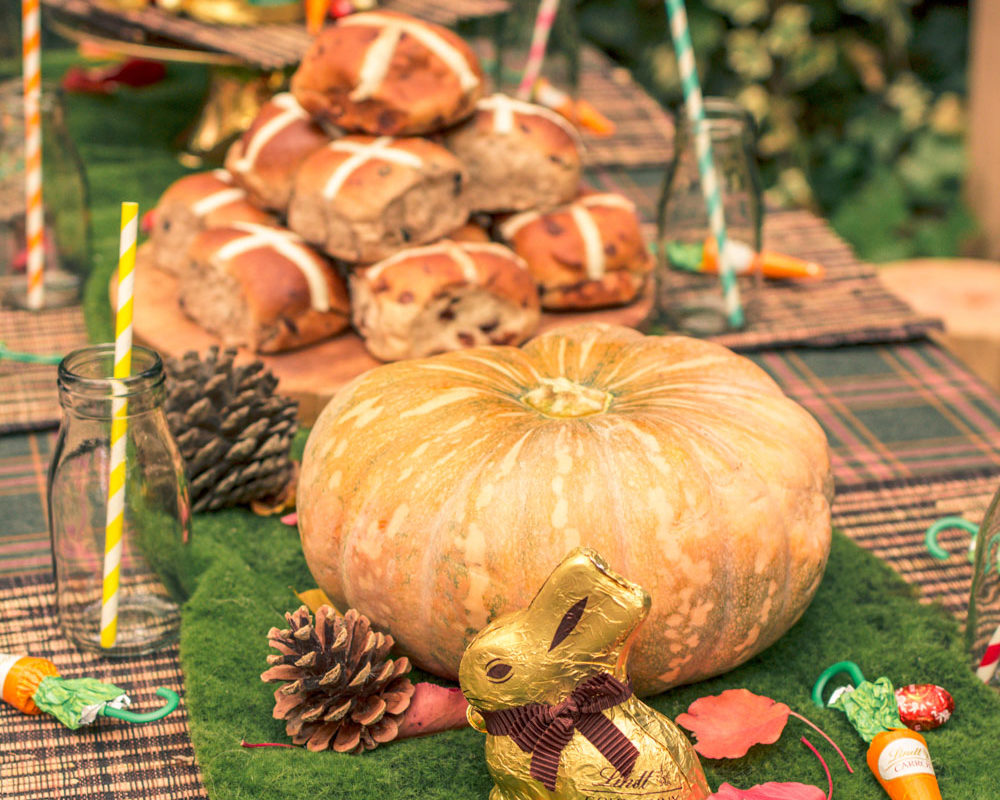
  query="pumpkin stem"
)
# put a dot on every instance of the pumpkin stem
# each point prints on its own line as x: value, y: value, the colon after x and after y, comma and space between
x: 561, y: 397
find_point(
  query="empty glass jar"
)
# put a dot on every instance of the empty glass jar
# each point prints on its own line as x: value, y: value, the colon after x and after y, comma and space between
x: 156, y: 523
x: 689, y: 295
x: 66, y: 226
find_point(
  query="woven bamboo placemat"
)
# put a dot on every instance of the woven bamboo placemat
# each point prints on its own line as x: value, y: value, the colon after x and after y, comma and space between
x: 850, y: 305
x: 644, y: 131
x: 890, y: 521
x: 110, y: 758
x: 28, y: 395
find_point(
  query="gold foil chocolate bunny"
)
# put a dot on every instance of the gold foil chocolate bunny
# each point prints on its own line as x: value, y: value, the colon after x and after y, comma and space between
x: 548, y: 686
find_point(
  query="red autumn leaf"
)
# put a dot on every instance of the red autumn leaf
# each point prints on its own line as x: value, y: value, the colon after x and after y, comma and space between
x: 729, y: 724
x: 136, y: 72
x: 770, y: 791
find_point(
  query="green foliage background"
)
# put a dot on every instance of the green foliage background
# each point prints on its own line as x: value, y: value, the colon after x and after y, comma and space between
x: 860, y: 104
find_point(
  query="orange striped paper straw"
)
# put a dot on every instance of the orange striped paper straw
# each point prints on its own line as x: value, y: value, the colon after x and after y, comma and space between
x: 546, y: 15
x: 31, y: 48
x: 119, y: 426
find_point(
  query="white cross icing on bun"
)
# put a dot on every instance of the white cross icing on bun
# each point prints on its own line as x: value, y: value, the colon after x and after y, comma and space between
x: 210, y: 202
x: 458, y: 252
x: 289, y: 245
x: 379, y: 55
x: 504, y: 108
x: 594, y: 255
x: 290, y: 112
x: 361, y: 153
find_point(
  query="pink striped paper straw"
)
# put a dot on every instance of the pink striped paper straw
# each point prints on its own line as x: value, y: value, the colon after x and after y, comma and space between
x: 547, y: 10
x: 31, y: 47
x: 991, y: 658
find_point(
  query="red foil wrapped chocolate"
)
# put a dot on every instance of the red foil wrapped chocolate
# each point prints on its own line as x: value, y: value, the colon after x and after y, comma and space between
x: 924, y: 706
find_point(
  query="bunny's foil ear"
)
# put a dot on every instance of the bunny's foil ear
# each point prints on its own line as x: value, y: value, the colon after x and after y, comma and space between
x: 611, y: 605
x: 568, y: 622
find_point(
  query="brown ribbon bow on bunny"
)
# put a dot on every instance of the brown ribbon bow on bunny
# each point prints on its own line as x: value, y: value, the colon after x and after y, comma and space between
x: 544, y: 730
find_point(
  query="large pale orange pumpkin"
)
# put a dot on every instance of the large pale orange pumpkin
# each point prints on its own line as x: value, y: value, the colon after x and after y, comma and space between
x: 440, y: 492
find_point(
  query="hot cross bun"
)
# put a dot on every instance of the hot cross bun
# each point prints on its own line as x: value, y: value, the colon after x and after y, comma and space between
x: 519, y: 156
x: 262, y: 288
x: 361, y: 198
x: 265, y: 158
x: 587, y: 254
x: 383, y: 72
x: 445, y: 296
x: 191, y: 204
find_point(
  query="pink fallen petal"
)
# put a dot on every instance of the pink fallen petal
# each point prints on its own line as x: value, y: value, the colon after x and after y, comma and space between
x: 432, y: 709
x: 770, y: 791
x: 291, y: 519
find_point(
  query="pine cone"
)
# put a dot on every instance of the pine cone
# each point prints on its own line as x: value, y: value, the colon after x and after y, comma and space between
x: 342, y: 690
x: 233, y: 432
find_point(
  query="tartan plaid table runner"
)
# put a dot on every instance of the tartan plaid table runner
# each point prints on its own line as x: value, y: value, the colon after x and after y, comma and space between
x: 894, y: 413
x: 28, y: 397
x: 891, y: 520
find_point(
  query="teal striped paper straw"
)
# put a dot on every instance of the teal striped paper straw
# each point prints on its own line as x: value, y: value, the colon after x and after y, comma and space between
x: 703, y: 148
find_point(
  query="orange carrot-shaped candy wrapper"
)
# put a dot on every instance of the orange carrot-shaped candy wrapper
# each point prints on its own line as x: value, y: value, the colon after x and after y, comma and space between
x: 20, y: 677
x: 901, y: 762
x: 703, y: 257
x: 576, y: 110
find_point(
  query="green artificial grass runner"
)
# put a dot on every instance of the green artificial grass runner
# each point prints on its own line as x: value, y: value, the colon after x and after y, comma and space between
x: 242, y: 572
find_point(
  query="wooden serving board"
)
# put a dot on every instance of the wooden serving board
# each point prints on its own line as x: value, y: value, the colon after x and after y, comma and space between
x: 310, y: 374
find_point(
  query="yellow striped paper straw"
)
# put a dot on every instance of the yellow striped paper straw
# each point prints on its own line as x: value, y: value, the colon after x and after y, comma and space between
x: 31, y: 47
x: 119, y: 426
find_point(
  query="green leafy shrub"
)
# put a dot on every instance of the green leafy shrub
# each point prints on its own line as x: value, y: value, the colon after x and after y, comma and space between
x: 860, y: 104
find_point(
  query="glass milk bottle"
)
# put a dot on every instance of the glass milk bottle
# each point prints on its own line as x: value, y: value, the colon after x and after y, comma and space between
x: 689, y: 298
x: 156, y: 519
x: 66, y: 216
